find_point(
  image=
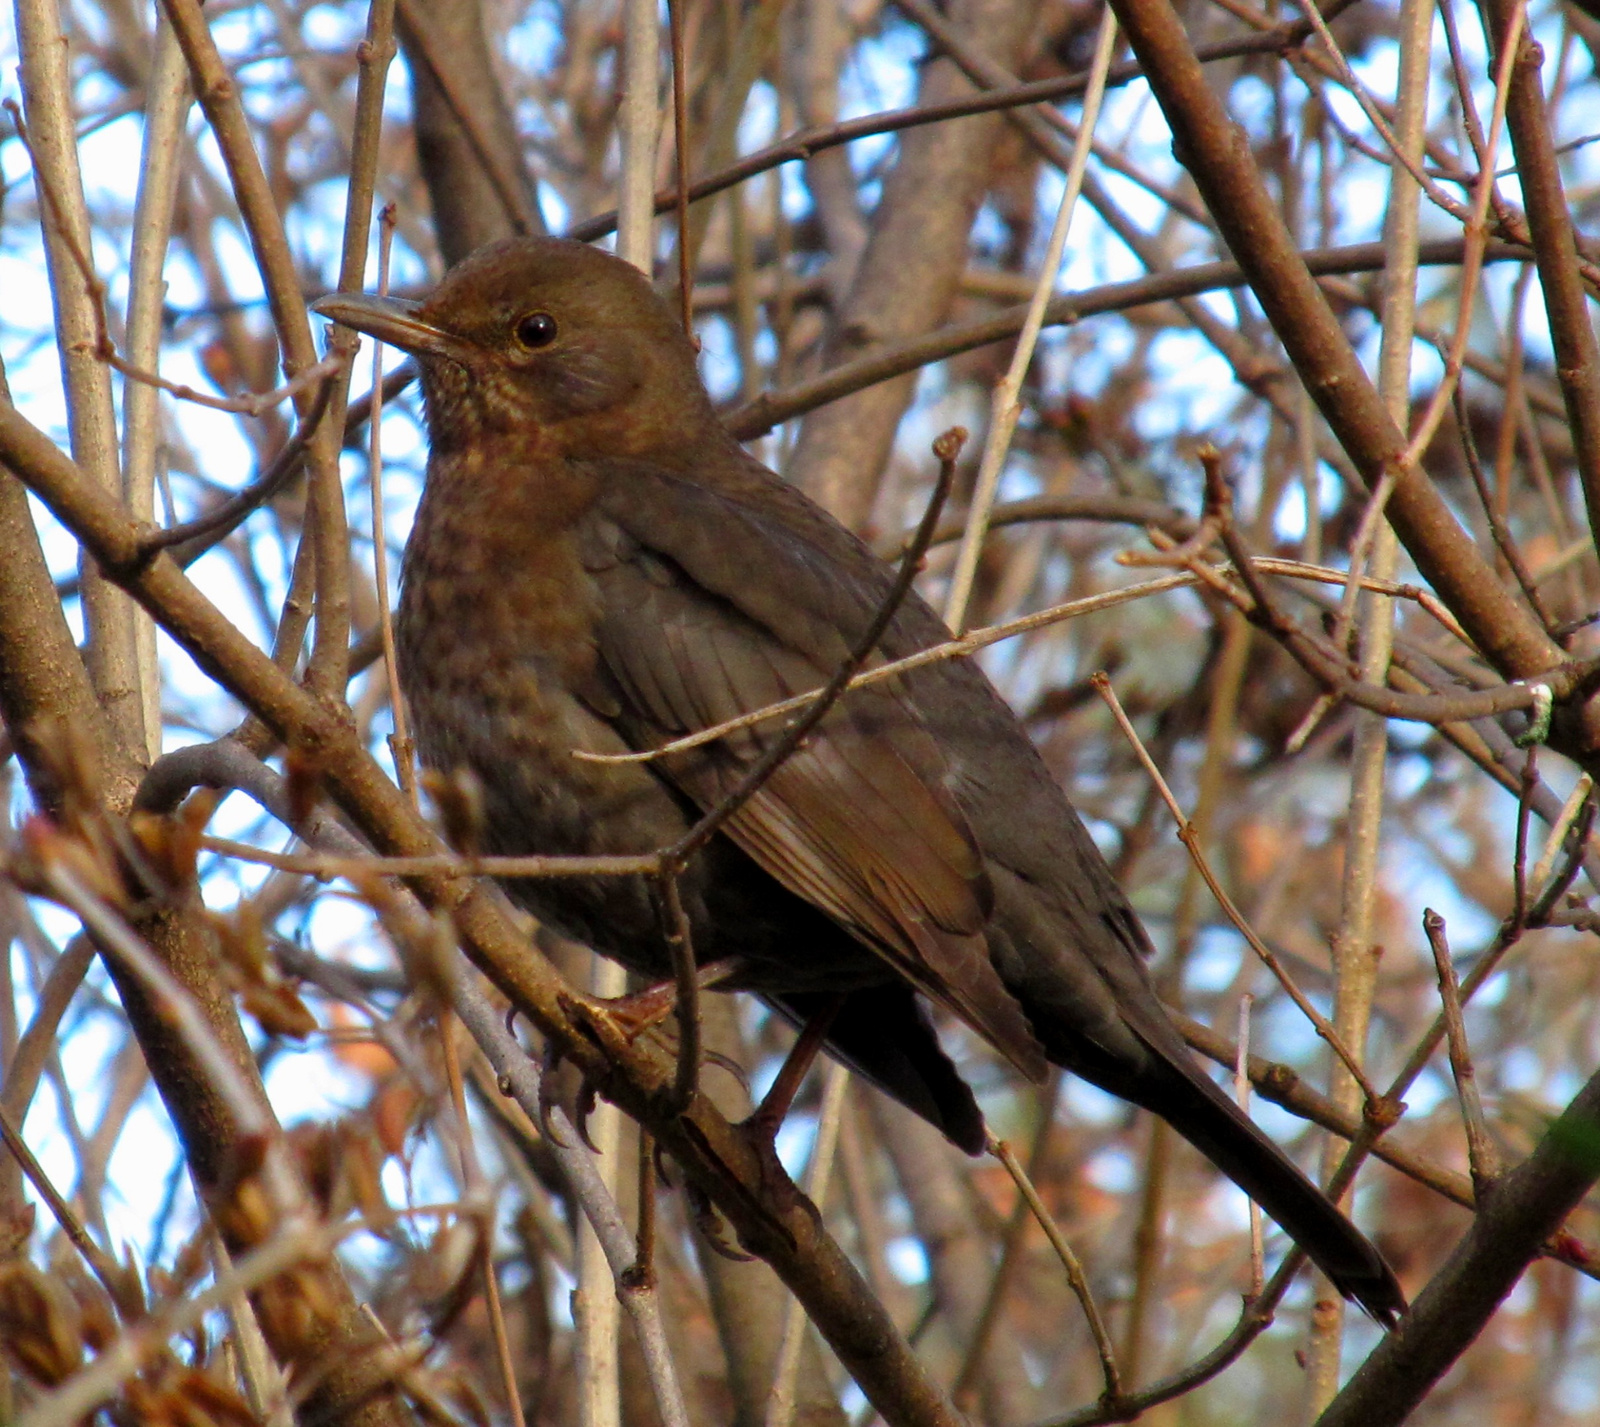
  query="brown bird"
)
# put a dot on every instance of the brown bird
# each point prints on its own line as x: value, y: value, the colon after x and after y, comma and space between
x: 598, y: 565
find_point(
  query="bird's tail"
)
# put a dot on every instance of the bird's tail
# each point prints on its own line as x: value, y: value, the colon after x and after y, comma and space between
x: 1205, y: 1116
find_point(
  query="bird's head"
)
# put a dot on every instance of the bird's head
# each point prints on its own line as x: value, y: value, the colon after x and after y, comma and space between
x: 547, y: 336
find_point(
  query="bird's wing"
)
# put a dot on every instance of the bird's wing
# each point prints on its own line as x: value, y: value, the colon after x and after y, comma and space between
x: 858, y: 820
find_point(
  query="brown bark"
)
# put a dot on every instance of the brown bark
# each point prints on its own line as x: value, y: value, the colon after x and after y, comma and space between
x: 466, y: 137
x: 1524, y: 1208
x: 909, y: 272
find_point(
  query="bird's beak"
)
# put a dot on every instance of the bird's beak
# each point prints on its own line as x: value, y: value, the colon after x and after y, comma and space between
x: 390, y: 319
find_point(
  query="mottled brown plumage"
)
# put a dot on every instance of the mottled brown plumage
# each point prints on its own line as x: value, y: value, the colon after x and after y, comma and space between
x: 597, y: 564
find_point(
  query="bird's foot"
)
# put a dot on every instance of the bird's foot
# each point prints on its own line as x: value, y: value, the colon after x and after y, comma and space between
x: 759, y: 1132
x: 568, y: 1091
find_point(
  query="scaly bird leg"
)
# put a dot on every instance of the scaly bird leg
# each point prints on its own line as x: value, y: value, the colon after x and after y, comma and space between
x: 769, y: 1115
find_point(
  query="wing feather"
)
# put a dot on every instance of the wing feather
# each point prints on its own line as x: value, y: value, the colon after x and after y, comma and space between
x: 857, y: 821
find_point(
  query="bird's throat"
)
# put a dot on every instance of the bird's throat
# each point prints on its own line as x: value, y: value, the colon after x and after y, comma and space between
x: 494, y: 545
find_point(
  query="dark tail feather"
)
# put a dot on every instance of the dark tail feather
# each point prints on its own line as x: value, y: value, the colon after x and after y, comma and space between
x: 884, y: 1034
x: 1199, y: 1111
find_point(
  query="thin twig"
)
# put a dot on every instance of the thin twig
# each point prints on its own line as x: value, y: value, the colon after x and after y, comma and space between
x: 1332, y: 668
x: 1366, y: 535
x: 193, y: 538
x: 805, y: 143
x: 1482, y: 1156
x: 1241, y: 1093
x: 680, y: 142
x: 473, y: 1180
x: 1102, y: 685
x: 518, y: 1076
x: 1006, y: 406
x: 1069, y: 1261
x: 781, y: 1400
x: 325, y: 864
x: 1571, y: 830
x: 1011, y: 1243
x: 955, y: 648
x: 111, y: 1274
x: 400, y: 744
x: 1443, y: 708
x: 1477, y: 237
x: 1359, y: 93
x: 1389, y: 1109
x: 1577, y: 800
x: 890, y: 360
x: 1503, y: 539
x: 1519, y: 854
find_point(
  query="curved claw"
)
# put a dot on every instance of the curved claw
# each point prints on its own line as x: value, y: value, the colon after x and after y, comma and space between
x: 583, y: 1106
x: 729, y: 1064
x: 587, y: 1099
x: 710, y: 1224
x: 662, y: 1171
x: 547, y: 1100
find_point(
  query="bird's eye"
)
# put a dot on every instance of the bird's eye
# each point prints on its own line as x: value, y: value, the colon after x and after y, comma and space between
x: 536, y: 329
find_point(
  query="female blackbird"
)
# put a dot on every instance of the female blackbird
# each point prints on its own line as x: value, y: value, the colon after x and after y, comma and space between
x: 597, y: 565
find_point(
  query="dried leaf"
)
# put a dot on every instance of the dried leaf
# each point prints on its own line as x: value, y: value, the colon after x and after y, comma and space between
x: 278, y: 1010
x: 40, y: 1325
